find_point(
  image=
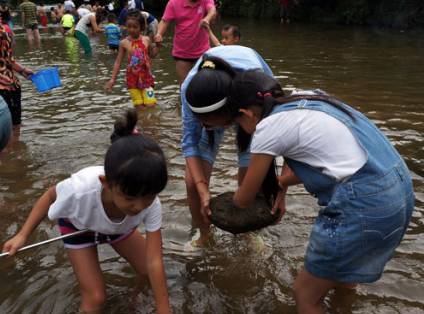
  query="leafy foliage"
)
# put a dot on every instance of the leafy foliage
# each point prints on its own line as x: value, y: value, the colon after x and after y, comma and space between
x: 400, y: 13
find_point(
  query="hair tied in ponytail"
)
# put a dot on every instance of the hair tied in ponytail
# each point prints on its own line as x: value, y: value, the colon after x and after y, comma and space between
x: 208, y: 65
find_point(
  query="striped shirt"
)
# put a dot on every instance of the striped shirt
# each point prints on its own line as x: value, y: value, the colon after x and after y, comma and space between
x: 29, y: 10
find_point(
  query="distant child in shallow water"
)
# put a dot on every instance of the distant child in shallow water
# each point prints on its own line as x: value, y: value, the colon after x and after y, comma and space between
x: 230, y: 35
x: 140, y: 81
x: 42, y: 15
x: 82, y: 29
x: 67, y: 23
x: 110, y: 201
x: 112, y: 32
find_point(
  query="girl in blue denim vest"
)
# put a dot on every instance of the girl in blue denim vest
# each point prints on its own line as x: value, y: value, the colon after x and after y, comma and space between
x: 341, y: 158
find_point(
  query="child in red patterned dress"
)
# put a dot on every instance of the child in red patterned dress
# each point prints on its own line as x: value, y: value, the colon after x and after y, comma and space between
x: 139, y: 49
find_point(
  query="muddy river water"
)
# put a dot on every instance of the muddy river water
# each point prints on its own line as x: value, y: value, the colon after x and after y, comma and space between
x: 380, y: 72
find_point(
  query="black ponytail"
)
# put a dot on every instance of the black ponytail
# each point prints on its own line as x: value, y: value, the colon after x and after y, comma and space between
x: 125, y: 126
x: 134, y: 162
x: 270, y: 185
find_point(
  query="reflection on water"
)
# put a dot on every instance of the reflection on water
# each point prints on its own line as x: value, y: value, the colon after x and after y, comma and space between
x: 379, y: 72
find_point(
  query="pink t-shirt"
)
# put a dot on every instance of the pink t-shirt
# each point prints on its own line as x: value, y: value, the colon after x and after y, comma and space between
x: 190, y: 40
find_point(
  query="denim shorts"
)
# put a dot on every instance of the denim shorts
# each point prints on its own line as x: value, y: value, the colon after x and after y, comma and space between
x: 5, y: 124
x: 209, y: 153
x: 357, y: 233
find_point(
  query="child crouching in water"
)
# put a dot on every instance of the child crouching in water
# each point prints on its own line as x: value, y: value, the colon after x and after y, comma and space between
x: 140, y: 81
x: 110, y: 201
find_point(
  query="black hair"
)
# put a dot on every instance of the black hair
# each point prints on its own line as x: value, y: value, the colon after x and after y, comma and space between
x: 134, y: 162
x: 253, y: 87
x: 111, y: 17
x: 5, y: 15
x: 100, y: 15
x: 136, y: 15
x: 235, y: 30
x: 211, y: 84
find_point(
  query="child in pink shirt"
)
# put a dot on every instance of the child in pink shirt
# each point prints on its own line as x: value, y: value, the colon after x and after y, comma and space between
x: 191, y: 38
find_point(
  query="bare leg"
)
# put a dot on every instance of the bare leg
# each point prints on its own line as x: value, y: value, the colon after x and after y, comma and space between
x: 37, y: 35
x: 310, y: 291
x: 29, y: 34
x: 85, y: 263
x: 14, y: 138
x: 182, y: 68
x: 133, y: 249
x: 241, y: 174
x: 194, y: 202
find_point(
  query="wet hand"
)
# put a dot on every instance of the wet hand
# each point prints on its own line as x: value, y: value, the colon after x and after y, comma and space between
x: 26, y: 73
x: 158, y: 39
x: 108, y: 85
x: 280, y: 203
x: 14, y: 244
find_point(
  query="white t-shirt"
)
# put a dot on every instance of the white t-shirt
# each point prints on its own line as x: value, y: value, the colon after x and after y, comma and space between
x: 131, y: 4
x: 79, y: 200
x: 69, y: 5
x: 83, y: 11
x: 312, y: 137
x: 84, y: 22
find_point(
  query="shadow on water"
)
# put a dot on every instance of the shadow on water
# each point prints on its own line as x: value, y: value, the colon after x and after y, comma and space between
x: 380, y: 72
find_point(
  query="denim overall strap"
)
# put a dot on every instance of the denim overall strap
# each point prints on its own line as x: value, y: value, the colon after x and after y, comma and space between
x: 381, y: 155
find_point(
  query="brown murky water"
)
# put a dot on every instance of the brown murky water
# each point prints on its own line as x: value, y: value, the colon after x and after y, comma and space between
x: 380, y: 72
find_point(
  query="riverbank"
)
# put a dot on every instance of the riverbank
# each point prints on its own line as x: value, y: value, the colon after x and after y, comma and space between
x: 383, y: 13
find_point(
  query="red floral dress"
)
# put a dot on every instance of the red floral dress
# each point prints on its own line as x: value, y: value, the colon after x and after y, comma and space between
x: 8, y: 80
x: 139, y: 75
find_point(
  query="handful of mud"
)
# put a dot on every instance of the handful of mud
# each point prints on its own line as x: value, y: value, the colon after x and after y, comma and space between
x: 226, y: 216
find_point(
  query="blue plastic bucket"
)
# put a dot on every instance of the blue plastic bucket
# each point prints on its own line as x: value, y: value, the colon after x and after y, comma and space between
x: 46, y: 79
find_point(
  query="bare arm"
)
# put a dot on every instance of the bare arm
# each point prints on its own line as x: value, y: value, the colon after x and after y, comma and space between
x: 211, y: 15
x: 116, y: 66
x: 38, y: 213
x: 258, y: 168
x: 215, y: 41
x: 194, y: 165
x: 151, y: 47
x: 96, y: 27
x: 23, y: 18
x: 156, y: 272
x: 154, y: 50
x: 21, y: 70
x: 288, y: 177
x: 162, y: 27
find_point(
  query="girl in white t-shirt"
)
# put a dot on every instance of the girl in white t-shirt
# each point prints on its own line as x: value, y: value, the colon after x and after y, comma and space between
x: 110, y: 202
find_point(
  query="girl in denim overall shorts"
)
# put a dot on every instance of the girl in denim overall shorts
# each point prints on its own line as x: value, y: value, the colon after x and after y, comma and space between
x: 341, y: 158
